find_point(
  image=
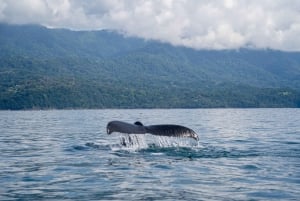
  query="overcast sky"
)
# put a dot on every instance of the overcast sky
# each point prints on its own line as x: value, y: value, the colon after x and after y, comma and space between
x: 208, y: 24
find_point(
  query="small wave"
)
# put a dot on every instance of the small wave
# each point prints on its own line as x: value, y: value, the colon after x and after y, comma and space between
x: 250, y: 167
x: 175, y: 146
x: 200, y: 152
x: 86, y: 147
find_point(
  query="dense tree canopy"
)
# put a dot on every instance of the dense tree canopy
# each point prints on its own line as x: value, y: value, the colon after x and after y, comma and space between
x: 54, y: 68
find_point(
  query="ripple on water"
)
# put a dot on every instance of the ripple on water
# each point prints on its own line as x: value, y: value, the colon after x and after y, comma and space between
x: 250, y: 167
x: 66, y: 155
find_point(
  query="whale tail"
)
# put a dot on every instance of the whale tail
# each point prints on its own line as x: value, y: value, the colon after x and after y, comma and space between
x: 160, y: 130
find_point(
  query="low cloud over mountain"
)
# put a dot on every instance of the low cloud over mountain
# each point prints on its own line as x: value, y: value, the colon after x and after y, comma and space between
x: 227, y: 24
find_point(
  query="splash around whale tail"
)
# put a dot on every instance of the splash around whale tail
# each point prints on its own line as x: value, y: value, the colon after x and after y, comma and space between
x: 169, y: 130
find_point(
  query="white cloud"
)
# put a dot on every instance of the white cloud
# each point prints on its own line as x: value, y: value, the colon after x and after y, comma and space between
x: 210, y: 24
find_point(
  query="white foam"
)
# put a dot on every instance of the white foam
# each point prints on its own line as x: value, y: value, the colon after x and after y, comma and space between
x: 137, y: 142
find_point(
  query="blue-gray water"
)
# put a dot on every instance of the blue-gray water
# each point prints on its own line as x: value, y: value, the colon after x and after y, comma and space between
x: 243, y: 154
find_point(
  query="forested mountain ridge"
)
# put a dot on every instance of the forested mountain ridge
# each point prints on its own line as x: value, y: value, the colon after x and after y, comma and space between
x: 59, y: 68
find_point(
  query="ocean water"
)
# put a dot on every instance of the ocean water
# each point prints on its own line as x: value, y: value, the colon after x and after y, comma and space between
x: 243, y: 154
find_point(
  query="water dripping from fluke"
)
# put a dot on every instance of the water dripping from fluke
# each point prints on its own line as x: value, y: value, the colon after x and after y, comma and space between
x: 138, y: 142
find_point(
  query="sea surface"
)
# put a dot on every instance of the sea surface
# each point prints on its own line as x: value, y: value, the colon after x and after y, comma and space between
x: 243, y: 154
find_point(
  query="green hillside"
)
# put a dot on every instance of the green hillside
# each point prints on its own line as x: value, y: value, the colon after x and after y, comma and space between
x: 44, y: 68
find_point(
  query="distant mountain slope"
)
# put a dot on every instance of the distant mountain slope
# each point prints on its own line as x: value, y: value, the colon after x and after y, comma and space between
x: 58, y: 68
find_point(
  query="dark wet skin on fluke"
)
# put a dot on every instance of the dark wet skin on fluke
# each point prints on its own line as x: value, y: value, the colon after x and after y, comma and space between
x: 160, y: 130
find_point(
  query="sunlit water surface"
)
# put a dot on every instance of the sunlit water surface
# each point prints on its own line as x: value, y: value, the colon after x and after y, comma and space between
x: 243, y: 154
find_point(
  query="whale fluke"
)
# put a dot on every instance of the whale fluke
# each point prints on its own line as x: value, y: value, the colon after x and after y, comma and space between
x: 161, y: 130
x: 123, y: 127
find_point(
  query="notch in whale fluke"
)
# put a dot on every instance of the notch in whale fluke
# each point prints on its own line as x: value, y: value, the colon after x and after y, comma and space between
x: 160, y: 130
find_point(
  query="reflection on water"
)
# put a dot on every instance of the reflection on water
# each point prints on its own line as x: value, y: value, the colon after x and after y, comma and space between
x: 250, y: 154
